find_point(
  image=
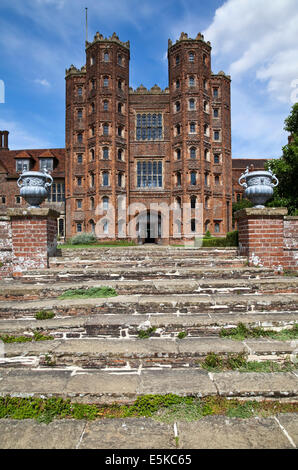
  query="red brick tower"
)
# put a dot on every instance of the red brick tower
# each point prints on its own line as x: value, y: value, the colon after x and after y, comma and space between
x: 97, y: 133
x: 200, y: 131
x: 148, y: 146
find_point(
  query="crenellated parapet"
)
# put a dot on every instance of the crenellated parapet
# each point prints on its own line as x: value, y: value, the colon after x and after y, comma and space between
x: 75, y: 71
x: 155, y: 90
x: 100, y: 38
x: 221, y: 74
x: 184, y: 37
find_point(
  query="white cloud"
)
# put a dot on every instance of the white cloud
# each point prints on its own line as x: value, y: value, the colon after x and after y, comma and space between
x: 257, y: 128
x: 22, y: 138
x: 259, y: 37
x: 42, y: 82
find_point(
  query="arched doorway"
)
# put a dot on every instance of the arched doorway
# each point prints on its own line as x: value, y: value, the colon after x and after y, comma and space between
x: 149, y: 227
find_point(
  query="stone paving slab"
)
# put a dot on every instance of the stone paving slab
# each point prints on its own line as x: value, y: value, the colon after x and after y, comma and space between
x: 134, y: 347
x: 19, y: 288
x: 211, y: 432
x: 182, y: 382
x: 290, y: 423
x: 184, y: 320
x: 281, y: 384
x: 156, y: 301
x: 107, y: 385
x: 134, y: 433
x: 220, y: 432
x: 271, y: 346
x: 29, y: 434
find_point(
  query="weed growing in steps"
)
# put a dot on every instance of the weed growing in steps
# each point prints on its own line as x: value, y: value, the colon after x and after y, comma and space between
x: 217, y: 363
x: 92, y: 292
x: 182, y: 335
x: 242, y: 332
x: 143, y: 334
x: 44, y: 315
x: 37, y: 336
x: 165, y: 408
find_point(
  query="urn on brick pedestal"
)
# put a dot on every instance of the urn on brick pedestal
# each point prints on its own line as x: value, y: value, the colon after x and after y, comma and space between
x: 258, y: 186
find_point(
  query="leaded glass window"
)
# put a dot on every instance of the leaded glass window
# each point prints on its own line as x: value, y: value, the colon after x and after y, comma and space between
x: 149, y: 174
x: 193, y: 178
x: 105, y: 179
x: 193, y: 152
x: 57, y: 193
x: 149, y: 126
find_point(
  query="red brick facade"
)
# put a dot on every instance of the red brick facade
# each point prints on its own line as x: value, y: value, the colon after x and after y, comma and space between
x: 193, y: 145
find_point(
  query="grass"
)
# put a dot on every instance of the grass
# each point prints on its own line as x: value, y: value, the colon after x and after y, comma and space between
x: 291, y: 273
x: 44, y: 315
x: 217, y: 363
x: 37, y: 336
x: 242, y: 332
x: 166, y: 408
x: 91, y: 293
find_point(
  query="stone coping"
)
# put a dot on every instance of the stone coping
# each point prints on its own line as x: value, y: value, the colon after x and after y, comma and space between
x: 29, y: 212
x: 266, y: 212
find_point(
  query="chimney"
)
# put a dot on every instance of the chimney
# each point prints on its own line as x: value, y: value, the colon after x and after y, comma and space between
x: 4, y: 140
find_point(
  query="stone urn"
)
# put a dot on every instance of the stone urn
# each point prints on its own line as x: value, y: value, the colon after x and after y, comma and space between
x: 34, y: 186
x: 258, y: 186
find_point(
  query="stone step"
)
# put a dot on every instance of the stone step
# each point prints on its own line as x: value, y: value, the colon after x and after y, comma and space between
x: 123, y: 263
x: 127, y: 354
x: 142, y: 273
x: 211, y: 432
x: 153, y: 304
x: 277, y: 284
x: 106, y: 386
x: 128, y: 326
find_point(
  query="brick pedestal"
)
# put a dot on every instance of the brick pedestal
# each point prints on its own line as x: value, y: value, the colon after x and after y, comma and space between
x: 32, y: 238
x: 261, y: 236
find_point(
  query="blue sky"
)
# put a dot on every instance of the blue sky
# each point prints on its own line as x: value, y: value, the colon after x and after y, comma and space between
x: 254, y: 41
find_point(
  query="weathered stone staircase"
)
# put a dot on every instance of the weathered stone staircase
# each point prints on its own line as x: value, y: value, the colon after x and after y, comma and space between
x: 96, y: 354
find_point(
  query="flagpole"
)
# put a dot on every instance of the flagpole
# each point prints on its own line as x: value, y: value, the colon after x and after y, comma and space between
x: 86, y: 24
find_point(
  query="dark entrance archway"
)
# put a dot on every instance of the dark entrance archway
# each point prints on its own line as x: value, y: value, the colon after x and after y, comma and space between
x: 149, y: 226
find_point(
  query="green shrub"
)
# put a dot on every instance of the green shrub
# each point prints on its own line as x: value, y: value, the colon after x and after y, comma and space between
x: 83, y: 238
x: 207, y: 242
x: 207, y: 234
x: 232, y: 238
x: 182, y: 334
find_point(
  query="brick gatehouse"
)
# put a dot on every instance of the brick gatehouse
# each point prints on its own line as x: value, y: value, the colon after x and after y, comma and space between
x: 130, y: 148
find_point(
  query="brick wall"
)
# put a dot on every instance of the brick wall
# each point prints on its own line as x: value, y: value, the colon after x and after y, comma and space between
x: 5, y: 246
x: 268, y: 237
x: 291, y: 242
x: 27, y: 238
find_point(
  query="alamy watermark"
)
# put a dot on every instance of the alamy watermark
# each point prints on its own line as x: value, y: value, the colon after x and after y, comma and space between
x: 178, y: 221
x: 2, y: 92
x: 294, y: 94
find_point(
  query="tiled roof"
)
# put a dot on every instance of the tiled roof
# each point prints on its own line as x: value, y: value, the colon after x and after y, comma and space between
x: 8, y: 157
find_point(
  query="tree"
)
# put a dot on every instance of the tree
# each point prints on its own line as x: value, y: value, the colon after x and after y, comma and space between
x: 286, y: 168
x: 237, y: 206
